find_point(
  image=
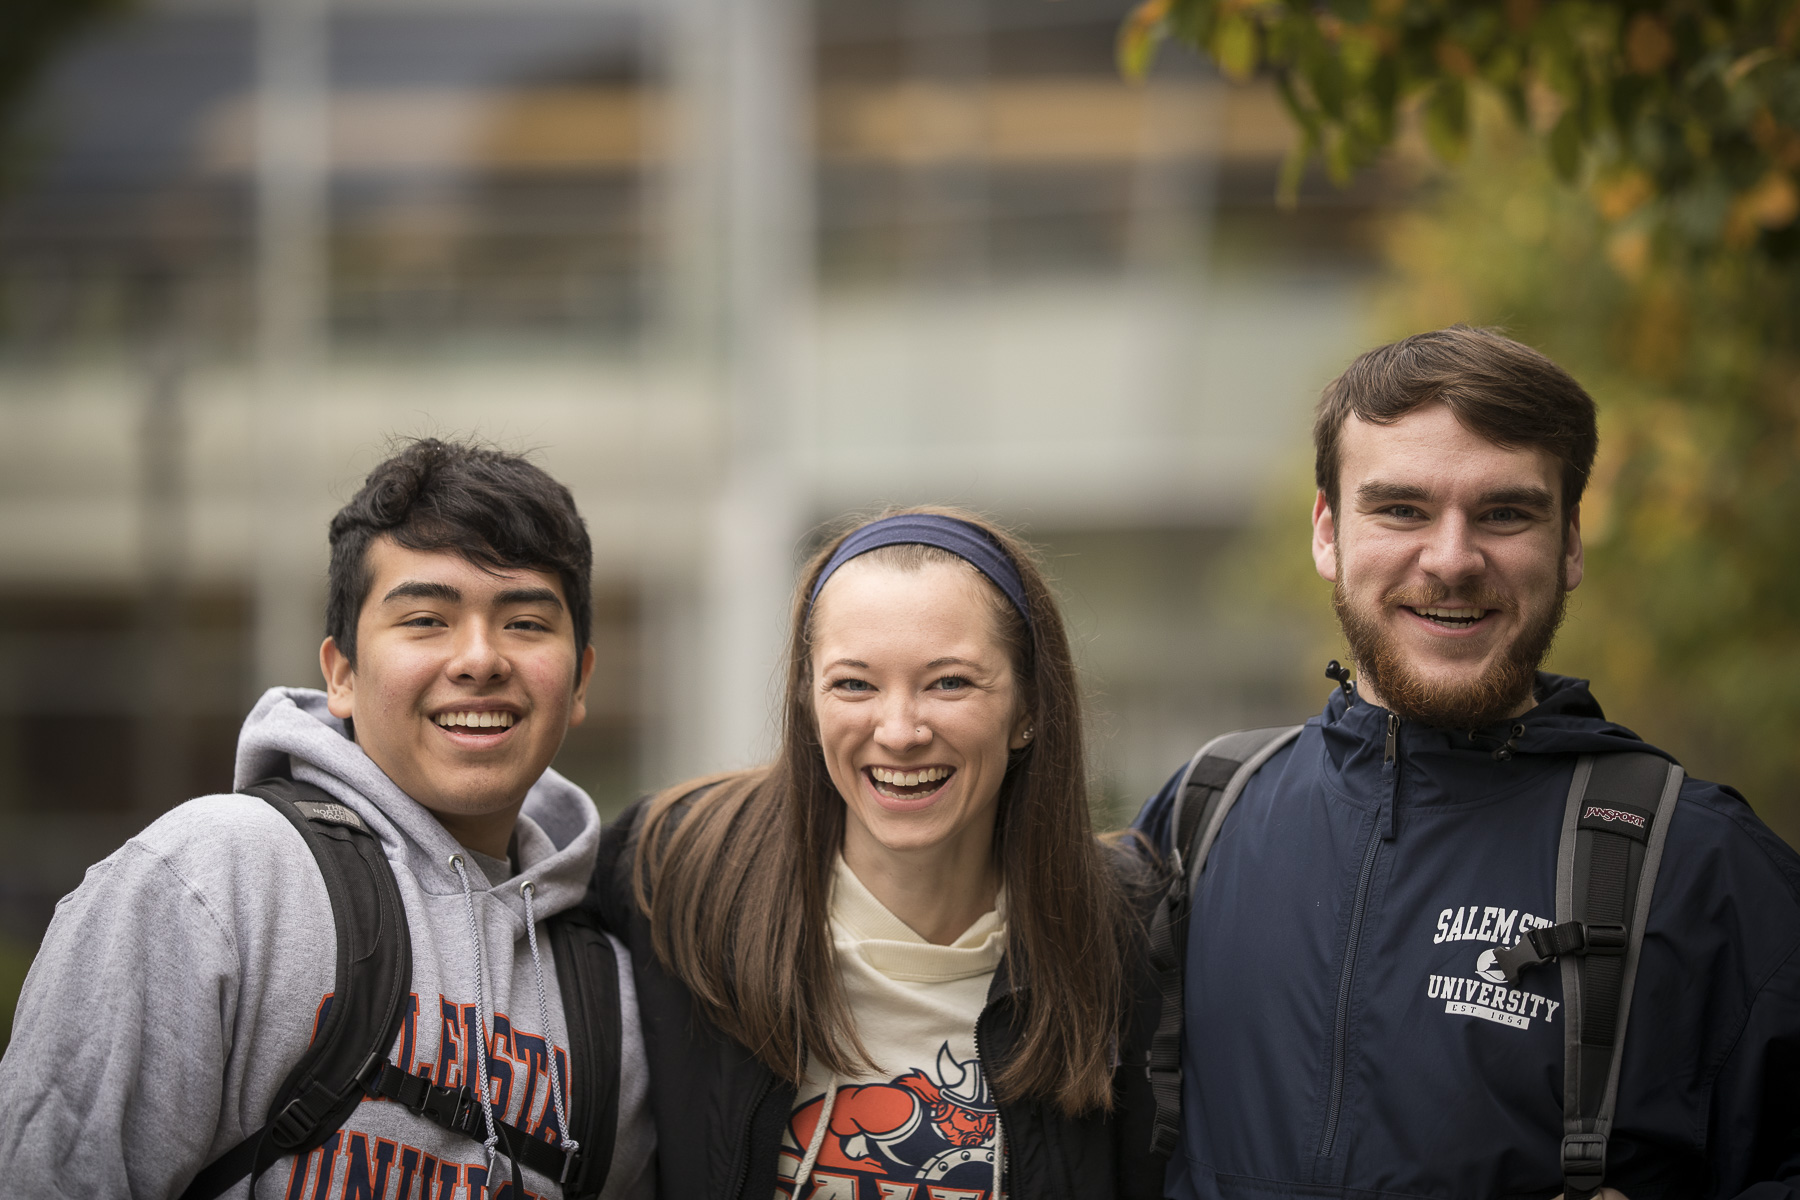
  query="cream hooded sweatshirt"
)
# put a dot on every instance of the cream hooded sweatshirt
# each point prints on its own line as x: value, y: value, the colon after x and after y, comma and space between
x: 179, y: 983
x: 923, y: 1122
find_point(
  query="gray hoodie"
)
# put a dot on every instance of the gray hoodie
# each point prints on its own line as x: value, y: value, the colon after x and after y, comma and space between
x: 179, y: 983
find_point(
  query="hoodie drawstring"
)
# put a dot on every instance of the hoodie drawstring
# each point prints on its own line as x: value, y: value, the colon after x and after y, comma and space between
x: 482, y: 1090
x: 816, y: 1143
x: 1507, y: 749
x: 570, y: 1146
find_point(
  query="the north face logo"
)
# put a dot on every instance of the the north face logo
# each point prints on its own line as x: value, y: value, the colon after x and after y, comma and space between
x: 328, y: 810
x: 1595, y: 812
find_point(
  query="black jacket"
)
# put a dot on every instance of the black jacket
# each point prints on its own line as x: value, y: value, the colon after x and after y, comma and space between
x: 720, y: 1113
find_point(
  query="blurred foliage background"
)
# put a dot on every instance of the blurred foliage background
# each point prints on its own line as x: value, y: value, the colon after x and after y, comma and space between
x: 1613, y: 183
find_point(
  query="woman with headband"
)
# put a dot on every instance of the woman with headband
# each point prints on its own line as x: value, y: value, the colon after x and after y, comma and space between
x: 896, y: 962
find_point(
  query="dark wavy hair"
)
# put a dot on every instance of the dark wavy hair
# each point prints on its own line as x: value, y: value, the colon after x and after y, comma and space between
x: 498, y: 510
x: 734, y: 871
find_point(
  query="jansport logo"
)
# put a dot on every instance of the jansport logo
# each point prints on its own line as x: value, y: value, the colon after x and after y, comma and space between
x: 1612, y: 814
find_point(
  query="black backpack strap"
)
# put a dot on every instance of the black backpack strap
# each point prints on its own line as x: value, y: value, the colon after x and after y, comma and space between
x: 458, y: 1109
x: 1614, y: 828
x: 373, y: 979
x: 587, y: 973
x: 1207, y: 789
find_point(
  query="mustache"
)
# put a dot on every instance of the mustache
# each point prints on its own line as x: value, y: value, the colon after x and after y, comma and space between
x: 1436, y: 595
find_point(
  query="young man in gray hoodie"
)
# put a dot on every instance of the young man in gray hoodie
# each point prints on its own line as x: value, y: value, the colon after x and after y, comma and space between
x: 181, y: 981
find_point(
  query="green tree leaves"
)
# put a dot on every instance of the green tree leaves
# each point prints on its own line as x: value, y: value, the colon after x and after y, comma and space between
x: 1447, y: 119
x: 1702, y: 98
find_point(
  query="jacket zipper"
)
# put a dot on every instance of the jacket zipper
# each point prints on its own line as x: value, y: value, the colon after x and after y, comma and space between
x: 1341, y: 1029
x: 999, y: 1125
x: 744, y: 1146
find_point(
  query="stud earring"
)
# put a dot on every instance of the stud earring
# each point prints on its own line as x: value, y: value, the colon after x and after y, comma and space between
x: 1027, y: 734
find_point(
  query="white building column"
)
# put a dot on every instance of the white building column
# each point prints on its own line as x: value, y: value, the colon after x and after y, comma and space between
x: 292, y: 226
x: 750, y: 63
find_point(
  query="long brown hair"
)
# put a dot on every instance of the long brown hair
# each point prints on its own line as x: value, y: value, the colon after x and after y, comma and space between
x: 735, y: 871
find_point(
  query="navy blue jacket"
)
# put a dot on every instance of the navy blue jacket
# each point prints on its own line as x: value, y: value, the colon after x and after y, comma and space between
x: 1330, y: 1047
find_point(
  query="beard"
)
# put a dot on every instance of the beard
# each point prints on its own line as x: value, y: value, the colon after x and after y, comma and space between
x: 1491, y: 696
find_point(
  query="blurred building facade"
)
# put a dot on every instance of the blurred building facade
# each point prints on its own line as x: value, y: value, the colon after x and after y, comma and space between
x: 732, y: 267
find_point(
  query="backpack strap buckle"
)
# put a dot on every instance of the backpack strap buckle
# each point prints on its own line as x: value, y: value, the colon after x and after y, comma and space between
x: 411, y: 1091
x: 451, y: 1109
x: 1583, y: 1164
x: 301, y: 1115
x: 1575, y: 938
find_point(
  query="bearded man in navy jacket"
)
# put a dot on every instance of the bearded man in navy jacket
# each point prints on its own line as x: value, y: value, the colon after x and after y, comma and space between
x: 1377, y: 861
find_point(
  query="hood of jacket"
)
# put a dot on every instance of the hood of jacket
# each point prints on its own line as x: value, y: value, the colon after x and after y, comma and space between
x: 291, y: 732
x: 1458, y: 765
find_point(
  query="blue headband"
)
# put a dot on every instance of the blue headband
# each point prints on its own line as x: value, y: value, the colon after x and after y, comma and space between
x: 968, y: 542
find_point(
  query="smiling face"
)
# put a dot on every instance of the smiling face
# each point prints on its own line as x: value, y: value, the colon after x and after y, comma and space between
x: 917, y: 706
x: 464, y: 685
x: 1451, y: 564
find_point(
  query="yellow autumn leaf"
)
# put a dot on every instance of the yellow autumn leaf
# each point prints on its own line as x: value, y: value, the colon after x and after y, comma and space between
x: 1648, y: 45
x: 1620, y: 194
x: 1234, y: 47
x: 1774, y: 202
x: 1139, y: 37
